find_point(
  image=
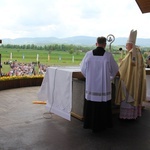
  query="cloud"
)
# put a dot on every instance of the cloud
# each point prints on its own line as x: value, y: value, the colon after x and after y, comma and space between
x: 65, y: 18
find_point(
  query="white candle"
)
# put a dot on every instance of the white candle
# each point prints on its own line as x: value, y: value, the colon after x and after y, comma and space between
x: 10, y: 55
x: 37, y: 57
x: 72, y: 58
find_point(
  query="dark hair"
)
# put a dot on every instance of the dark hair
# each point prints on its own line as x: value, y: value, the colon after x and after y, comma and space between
x: 101, y: 40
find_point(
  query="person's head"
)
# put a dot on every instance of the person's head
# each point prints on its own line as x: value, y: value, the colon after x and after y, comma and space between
x: 129, y: 46
x: 131, y: 40
x: 101, y: 42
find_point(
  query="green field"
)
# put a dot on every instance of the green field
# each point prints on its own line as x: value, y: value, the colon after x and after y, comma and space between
x: 57, y: 58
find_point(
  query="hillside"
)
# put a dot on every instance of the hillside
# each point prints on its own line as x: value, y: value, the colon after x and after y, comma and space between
x: 76, y: 40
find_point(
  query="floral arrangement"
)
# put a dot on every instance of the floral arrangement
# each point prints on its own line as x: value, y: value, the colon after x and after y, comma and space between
x: 6, y: 78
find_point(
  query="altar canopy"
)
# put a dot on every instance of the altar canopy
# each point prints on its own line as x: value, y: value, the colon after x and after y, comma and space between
x: 56, y: 90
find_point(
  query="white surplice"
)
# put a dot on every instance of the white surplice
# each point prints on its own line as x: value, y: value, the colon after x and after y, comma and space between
x: 98, y: 71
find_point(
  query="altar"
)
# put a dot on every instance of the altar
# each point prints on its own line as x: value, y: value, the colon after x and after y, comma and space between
x: 63, y: 90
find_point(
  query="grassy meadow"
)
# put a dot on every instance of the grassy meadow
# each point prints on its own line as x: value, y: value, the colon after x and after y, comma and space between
x: 57, y: 58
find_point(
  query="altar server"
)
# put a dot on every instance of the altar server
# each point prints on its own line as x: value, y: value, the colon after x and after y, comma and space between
x: 98, y: 67
x: 132, y: 84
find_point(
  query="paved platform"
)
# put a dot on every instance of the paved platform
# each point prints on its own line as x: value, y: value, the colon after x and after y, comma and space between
x: 27, y: 126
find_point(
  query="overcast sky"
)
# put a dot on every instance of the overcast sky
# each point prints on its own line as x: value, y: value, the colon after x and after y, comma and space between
x: 66, y: 18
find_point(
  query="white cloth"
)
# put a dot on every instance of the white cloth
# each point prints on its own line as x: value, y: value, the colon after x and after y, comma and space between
x: 98, y: 71
x: 56, y: 89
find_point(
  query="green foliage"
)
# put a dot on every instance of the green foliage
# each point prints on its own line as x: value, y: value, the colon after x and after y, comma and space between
x: 52, y: 47
x: 145, y: 55
x: 71, y: 51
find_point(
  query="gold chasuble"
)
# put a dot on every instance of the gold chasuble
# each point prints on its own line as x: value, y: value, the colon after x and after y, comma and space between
x: 132, y: 80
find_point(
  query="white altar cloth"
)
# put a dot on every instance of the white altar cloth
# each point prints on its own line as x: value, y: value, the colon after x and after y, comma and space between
x: 56, y: 90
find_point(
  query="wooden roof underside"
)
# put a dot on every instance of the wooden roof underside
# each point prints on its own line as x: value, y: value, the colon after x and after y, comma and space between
x: 144, y: 5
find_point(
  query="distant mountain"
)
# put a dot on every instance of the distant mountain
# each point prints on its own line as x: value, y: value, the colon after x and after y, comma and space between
x: 143, y: 42
x: 75, y: 40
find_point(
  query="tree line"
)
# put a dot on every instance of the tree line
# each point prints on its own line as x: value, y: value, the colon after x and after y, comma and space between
x: 63, y: 47
x: 51, y: 47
